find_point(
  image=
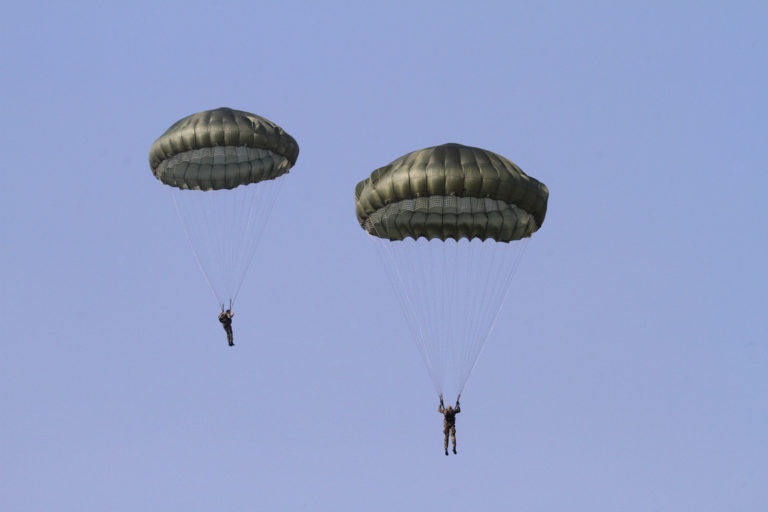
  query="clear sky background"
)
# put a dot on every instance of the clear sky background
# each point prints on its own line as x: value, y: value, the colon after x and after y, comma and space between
x: 627, y: 371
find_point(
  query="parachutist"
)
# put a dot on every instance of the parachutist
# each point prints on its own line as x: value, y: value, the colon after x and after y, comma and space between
x: 225, y: 317
x: 449, y: 421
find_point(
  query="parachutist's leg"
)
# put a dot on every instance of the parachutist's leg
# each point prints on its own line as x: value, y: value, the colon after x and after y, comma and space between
x: 230, y: 337
x: 445, y: 433
x: 453, y: 438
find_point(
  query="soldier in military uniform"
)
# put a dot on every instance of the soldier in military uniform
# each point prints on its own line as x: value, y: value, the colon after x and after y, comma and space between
x: 449, y: 421
x: 225, y: 317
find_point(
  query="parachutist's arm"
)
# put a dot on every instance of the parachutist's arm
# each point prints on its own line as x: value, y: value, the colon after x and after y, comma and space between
x: 457, y: 402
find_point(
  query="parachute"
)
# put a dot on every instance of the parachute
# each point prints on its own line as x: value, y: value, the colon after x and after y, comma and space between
x: 224, y: 170
x: 450, y: 223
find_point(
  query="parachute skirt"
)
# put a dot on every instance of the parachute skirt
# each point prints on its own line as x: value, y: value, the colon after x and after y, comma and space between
x: 451, y: 217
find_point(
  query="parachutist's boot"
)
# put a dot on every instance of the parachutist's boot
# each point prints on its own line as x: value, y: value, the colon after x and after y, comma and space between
x: 446, y: 451
x: 454, y: 450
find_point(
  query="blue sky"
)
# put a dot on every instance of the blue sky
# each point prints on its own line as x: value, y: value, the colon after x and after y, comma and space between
x: 627, y: 370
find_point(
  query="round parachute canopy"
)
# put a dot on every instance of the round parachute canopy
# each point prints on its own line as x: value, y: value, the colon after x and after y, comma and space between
x: 451, y: 223
x: 221, y: 149
x: 224, y: 169
x: 451, y: 191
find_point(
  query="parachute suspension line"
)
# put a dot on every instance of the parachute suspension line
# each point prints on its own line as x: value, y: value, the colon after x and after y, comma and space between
x: 496, y: 288
x: 447, y: 340
x: 229, y: 243
x: 460, y: 287
x: 422, y: 278
x: 256, y: 210
x: 483, y: 253
x: 245, y: 247
x: 445, y: 276
x: 434, y: 280
x: 466, y: 250
x: 516, y: 249
x: 451, y: 293
x: 194, y: 248
x: 216, y: 228
x: 429, y: 279
x: 407, y: 302
x: 468, y: 285
x: 258, y: 216
x: 224, y: 228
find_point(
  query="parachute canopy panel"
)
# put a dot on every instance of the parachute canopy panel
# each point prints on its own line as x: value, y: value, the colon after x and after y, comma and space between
x: 451, y: 191
x: 222, y: 149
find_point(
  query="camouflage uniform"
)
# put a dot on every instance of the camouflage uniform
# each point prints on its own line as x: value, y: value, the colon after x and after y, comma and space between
x: 226, y: 320
x: 449, y: 422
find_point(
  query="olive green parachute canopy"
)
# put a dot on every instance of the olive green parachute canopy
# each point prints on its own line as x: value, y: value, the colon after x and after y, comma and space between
x: 451, y: 191
x: 222, y: 149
